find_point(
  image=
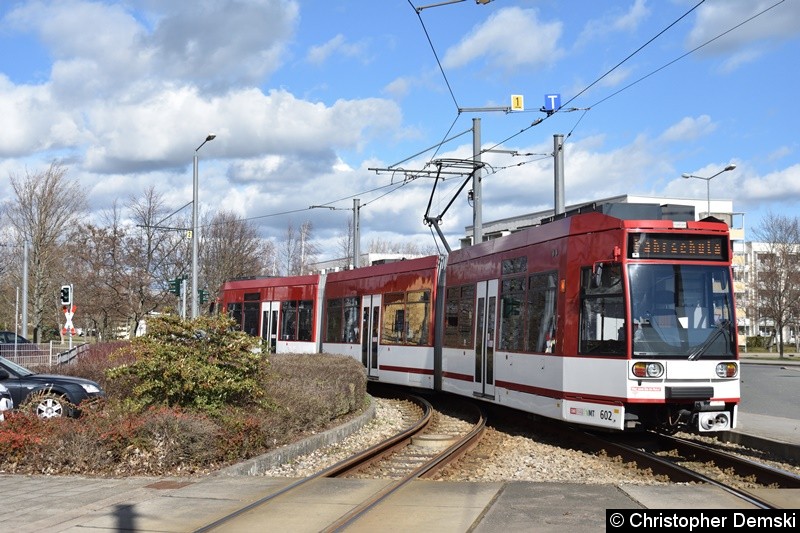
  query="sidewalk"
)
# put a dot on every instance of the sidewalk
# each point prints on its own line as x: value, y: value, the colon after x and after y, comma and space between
x: 752, y: 428
x: 770, y: 358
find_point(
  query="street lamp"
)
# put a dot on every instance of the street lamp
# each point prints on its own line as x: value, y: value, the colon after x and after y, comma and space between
x: 195, y: 306
x: 708, y: 184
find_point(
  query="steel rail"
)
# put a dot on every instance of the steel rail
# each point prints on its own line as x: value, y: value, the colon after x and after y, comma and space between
x: 458, y: 448
x: 338, y: 468
x: 681, y: 473
x: 764, y: 474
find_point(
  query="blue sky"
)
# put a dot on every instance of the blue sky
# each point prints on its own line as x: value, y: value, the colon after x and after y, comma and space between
x: 307, y: 98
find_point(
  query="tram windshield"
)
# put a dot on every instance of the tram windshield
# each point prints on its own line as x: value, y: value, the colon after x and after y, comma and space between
x: 681, y: 311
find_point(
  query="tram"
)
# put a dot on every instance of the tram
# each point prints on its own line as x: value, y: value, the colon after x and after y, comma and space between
x: 615, y: 316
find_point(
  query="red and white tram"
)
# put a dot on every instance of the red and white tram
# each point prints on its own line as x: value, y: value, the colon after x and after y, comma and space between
x: 613, y: 317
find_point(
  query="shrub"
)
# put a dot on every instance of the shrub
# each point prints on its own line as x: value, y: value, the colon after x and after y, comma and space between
x: 315, y: 389
x: 297, y: 394
x: 756, y: 342
x: 200, y: 364
x: 91, y: 363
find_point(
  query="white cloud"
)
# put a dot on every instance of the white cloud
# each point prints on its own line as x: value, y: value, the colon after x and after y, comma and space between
x: 778, y: 186
x: 336, y: 45
x: 32, y: 121
x: 627, y: 21
x: 398, y: 88
x: 715, y: 18
x: 633, y: 17
x: 224, y: 41
x: 512, y: 37
x: 133, y: 86
x: 689, y: 128
x: 781, y: 152
x: 741, y: 57
x: 248, y: 123
x: 214, y: 44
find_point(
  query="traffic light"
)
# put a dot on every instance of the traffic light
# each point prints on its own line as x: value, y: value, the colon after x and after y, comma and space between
x: 175, y: 286
x: 66, y: 295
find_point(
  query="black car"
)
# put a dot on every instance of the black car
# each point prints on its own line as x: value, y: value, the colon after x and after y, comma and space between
x: 47, y: 395
x: 12, y: 345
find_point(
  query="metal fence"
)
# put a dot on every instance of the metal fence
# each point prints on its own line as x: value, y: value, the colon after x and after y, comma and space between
x: 42, y: 354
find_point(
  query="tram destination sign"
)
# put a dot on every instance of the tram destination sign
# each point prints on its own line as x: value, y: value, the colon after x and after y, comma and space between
x: 677, y: 246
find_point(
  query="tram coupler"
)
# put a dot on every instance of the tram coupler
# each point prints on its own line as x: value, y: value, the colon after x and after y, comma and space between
x: 708, y: 417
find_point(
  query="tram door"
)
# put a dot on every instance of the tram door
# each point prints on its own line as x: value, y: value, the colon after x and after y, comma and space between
x: 485, y: 328
x: 370, y: 332
x: 269, y: 324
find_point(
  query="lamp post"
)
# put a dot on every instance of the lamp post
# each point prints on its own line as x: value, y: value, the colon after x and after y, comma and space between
x: 708, y: 184
x: 195, y: 306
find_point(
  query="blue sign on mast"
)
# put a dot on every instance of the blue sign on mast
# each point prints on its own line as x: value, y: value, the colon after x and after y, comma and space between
x: 552, y: 103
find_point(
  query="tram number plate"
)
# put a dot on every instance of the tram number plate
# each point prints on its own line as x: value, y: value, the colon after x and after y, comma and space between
x: 594, y: 414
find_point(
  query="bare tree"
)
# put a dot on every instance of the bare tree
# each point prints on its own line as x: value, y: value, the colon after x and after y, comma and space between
x: 231, y: 248
x: 380, y: 246
x: 297, y: 250
x: 345, y: 246
x: 11, y: 257
x: 287, y: 249
x: 778, y: 283
x: 98, y: 271
x: 155, y: 252
x: 308, y: 249
x: 46, y: 209
x: 122, y: 268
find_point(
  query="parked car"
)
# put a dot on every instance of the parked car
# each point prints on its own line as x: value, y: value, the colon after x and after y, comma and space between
x: 12, y: 345
x: 6, y: 403
x: 47, y: 395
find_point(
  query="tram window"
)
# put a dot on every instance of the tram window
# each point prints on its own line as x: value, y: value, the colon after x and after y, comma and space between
x: 393, y: 318
x: 289, y: 321
x: 603, y: 278
x: 305, y: 327
x: 251, y: 312
x: 451, y: 317
x: 406, y: 318
x: 235, y: 313
x: 512, y: 296
x: 418, y: 312
x: 459, y: 309
x: 602, y: 325
x: 333, y: 315
x: 541, y: 329
x: 341, y: 315
x: 351, y: 307
x: 683, y: 310
x: 297, y: 318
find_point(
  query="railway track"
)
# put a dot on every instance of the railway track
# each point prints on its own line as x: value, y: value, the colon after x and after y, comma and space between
x: 683, y: 460
x: 432, y: 441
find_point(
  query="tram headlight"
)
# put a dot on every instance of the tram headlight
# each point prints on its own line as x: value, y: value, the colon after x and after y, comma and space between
x: 727, y: 370
x: 648, y: 370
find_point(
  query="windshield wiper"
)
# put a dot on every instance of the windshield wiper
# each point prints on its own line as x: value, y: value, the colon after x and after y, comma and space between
x: 700, y: 350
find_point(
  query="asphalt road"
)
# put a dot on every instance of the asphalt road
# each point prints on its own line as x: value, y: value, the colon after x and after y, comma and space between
x: 772, y: 390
